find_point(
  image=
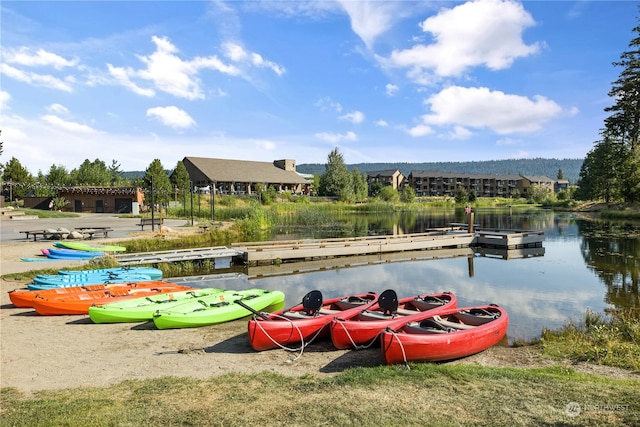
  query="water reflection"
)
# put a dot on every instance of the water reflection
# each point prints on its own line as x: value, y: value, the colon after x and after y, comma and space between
x: 612, y: 251
x: 582, y: 265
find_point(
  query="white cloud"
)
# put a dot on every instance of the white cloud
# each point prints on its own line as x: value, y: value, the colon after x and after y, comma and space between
x: 41, y: 57
x: 43, y: 80
x: 327, y: 103
x: 479, y: 33
x: 368, y: 19
x: 382, y: 123
x: 265, y: 145
x: 57, y: 109
x: 336, y: 137
x: 460, y: 132
x: 122, y: 76
x: 419, y: 130
x: 4, y: 99
x: 67, y: 125
x: 172, y: 116
x: 391, y: 89
x: 482, y: 108
x: 353, y: 117
x: 238, y: 54
x: 169, y: 73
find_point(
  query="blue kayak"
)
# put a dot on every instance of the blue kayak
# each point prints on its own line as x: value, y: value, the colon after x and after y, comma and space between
x: 60, y: 253
x: 64, y: 281
x: 154, y: 273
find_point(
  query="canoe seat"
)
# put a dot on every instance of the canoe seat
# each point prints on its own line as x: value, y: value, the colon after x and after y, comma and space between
x: 301, y: 314
x: 476, y: 317
x: 424, y: 305
x: 375, y: 315
x: 405, y: 312
x: 327, y: 311
x: 452, y: 325
x: 298, y: 314
x: 421, y: 328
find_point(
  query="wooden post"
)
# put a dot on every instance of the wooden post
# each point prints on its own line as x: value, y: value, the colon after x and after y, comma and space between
x: 471, y: 218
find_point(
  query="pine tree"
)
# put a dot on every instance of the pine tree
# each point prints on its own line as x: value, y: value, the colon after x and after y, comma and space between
x: 336, y: 180
x: 157, y: 175
x: 612, y: 169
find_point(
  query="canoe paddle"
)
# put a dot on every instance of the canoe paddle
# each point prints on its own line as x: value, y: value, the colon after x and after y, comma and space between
x: 264, y: 316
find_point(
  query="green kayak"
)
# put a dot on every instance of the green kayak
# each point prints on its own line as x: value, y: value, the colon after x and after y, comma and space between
x: 143, y: 309
x: 217, y: 308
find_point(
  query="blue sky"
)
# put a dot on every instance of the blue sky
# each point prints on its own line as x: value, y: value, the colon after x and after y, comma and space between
x: 382, y: 81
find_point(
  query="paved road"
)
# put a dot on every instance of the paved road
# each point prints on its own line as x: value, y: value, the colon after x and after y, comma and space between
x: 14, y: 245
x: 122, y: 227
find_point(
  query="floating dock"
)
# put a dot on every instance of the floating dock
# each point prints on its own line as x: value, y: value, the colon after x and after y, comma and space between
x: 285, y: 250
x: 509, y: 239
x: 281, y: 251
x: 221, y: 255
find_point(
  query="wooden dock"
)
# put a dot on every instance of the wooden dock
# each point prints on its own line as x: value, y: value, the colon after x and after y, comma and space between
x: 285, y: 250
x: 509, y: 239
x: 326, y: 264
x: 221, y: 255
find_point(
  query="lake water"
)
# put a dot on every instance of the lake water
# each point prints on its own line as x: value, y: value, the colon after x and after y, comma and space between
x: 583, y: 264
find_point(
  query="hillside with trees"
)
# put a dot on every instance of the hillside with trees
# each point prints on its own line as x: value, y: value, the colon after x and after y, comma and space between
x: 529, y: 167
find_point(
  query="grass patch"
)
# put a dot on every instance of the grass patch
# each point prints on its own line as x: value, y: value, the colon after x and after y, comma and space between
x: 606, y: 339
x: 428, y: 394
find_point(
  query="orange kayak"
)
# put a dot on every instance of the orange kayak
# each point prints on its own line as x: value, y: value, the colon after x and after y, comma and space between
x: 80, y: 303
x: 23, y: 298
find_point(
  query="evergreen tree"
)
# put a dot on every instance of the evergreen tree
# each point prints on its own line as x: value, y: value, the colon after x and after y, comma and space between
x: 57, y: 176
x: 16, y: 179
x: 91, y: 173
x: 336, y: 180
x: 611, y: 169
x: 116, y: 173
x: 360, y: 189
x: 180, y: 178
x: 408, y: 194
x: 162, y: 188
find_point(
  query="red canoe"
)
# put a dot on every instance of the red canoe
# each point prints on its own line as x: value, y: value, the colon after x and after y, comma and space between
x: 451, y: 334
x: 362, y: 328
x: 23, y: 298
x: 305, y: 322
x: 80, y: 303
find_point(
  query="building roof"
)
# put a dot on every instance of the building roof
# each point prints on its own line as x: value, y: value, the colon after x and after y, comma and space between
x: 223, y: 170
x: 536, y: 178
x: 438, y: 174
x: 386, y: 172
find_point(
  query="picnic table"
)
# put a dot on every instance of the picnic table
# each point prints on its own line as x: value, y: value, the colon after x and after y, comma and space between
x: 35, y: 233
x: 91, y: 231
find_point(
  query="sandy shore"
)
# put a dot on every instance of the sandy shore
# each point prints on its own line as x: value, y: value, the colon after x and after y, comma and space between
x: 53, y: 352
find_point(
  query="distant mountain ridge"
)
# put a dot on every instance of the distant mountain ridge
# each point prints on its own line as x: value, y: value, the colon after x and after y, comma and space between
x: 528, y: 167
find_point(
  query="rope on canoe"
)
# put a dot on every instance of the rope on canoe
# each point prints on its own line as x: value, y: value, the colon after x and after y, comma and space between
x: 302, y: 344
x: 404, y: 355
x: 356, y: 346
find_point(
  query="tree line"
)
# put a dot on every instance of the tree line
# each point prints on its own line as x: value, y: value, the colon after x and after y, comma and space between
x: 611, y: 170
x: 18, y: 182
x: 528, y: 167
